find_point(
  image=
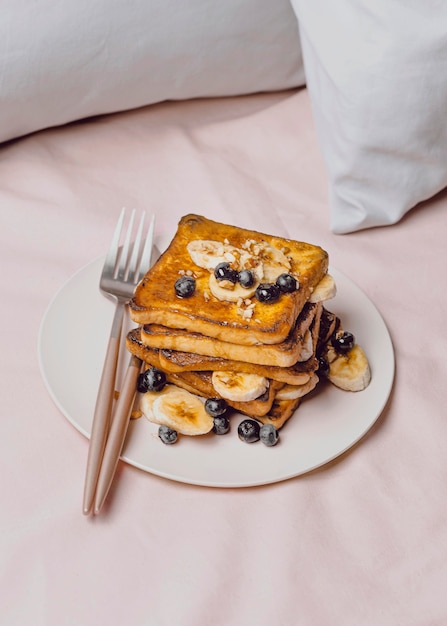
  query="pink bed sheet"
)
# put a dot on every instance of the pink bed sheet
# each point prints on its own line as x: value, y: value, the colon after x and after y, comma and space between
x: 361, y: 541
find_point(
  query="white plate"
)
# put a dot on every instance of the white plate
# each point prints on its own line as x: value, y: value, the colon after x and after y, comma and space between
x: 72, y: 343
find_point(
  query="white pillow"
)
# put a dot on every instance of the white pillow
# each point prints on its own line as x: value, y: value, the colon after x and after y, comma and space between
x: 62, y: 60
x: 377, y: 78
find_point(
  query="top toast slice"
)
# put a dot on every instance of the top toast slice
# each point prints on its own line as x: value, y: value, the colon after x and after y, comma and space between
x: 155, y: 300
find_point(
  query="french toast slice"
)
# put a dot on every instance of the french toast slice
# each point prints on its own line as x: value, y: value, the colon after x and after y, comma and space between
x: 297, y: 374
x: 245, y: 321
x: 297, y: 347
x: 177, y: 362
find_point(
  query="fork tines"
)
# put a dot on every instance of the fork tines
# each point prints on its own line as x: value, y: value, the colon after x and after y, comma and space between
x: 131, y: 257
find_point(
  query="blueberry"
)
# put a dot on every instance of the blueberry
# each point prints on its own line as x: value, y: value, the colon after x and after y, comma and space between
x: 343, y: 341
x: 221, y: 425
x: 287, y: 283
x: 246, y: 278
x: 267, y: 292
x: 269, y: 435
x: 216, y: 407
x: 167, y: 435
x: 248, y: 431
x: 323, y: 366
x: 151, y: 379
x: 223, y: 271
x: 185, y: 286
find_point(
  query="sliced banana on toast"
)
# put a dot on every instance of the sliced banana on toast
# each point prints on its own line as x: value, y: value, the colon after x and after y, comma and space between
x: 308, y: 348
x: 264, y: 260
x: 177, y: 408
x: 292, y: 392
x: 325, y: 290
x: 238, y: 386
x: 232, y: 293
x: 207, y: 253
x: 274, y: 262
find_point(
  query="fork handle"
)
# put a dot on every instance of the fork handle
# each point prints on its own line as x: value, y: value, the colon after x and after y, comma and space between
x: 103, y: 408
x: 118, y: 431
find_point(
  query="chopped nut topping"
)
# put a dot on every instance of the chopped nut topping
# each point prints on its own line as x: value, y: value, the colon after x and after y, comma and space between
x: 251, y: 263
x: 189, y: 273
x: 245, y: 308
x: 248, y: 244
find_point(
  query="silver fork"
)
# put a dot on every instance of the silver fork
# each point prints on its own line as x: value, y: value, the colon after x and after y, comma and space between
x: 124, y: 266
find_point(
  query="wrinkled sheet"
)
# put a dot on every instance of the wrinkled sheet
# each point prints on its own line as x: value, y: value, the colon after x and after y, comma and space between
x: 360, y: 541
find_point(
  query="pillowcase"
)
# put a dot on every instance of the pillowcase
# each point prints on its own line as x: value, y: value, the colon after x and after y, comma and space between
x: 376, y: 74
x: 62, y: 60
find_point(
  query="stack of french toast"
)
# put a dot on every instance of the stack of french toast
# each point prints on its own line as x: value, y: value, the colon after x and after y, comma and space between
x: 230, y: 317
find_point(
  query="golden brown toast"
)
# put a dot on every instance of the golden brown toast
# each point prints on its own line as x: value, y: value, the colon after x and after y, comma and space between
x: 156, y: 303
x: 297, y: 374
x: 295, y: 348
x: 178, y: 362
x: 281, y: 411
x: 150, y: 356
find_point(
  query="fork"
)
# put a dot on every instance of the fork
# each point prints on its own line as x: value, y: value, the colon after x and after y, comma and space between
x: 124, y: 266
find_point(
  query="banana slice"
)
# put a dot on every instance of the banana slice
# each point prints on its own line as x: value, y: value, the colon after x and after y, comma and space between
x: 292, y: 392
x: 351, y: 371
x: 325, y: 290
x: 234, y: 294
x: 308, y: 347
x: 148, y: 399
x: 206, y: 253
x: 274, y: 262
x: 238, y: 386
x: 180, y: 410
